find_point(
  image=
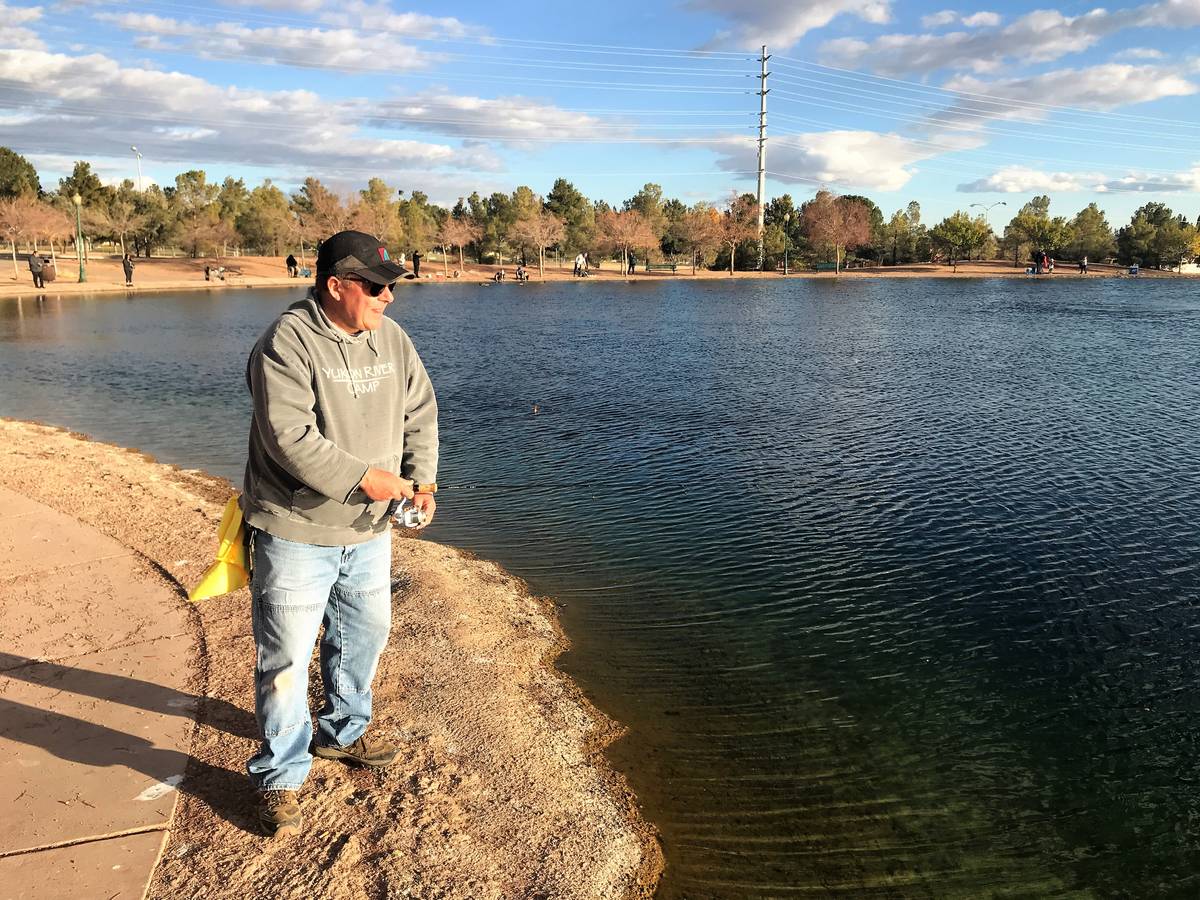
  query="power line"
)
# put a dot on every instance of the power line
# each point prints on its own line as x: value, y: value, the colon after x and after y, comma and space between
x: 915, y: 86
x: 1091, y: 142
x: 986, y: 116
x: 950, y: 148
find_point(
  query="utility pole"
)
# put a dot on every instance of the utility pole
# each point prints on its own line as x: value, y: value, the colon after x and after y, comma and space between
x: 762, y: 148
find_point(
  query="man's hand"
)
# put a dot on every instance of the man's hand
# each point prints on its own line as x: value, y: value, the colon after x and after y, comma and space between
x: 427, y: 505
x: 380, y: 484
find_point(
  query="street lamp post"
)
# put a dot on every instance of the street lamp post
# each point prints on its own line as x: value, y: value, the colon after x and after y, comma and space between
x: 987, y: 208
x: 78, y: 201
x: 139, y: 165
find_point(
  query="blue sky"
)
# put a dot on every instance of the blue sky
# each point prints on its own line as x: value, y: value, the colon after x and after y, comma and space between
x: 949, y: 105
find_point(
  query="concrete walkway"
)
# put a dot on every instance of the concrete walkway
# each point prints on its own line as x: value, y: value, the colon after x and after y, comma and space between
x: 95, y: 713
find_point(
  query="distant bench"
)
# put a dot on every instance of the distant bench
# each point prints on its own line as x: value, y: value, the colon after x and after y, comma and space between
x: 662, y: 267
x: 825, y: 267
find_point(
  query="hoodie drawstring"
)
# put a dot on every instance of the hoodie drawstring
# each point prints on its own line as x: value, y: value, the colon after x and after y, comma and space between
x: 349, y: 375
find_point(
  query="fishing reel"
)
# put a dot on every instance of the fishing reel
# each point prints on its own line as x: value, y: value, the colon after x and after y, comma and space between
x: 407, y: 515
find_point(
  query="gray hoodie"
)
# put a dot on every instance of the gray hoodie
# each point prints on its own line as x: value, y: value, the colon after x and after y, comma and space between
x: 327, y: 405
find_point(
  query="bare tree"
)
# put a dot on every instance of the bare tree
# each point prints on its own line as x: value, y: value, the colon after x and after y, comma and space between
x: 458, y: 233
x: 52, y: 224
x: 738, y: 223
x: 624, y: 231
x: 837, y: 223
x: 700, y: 230
x: 119, y: 219
x: 538, y: 229
x: 18, y: 217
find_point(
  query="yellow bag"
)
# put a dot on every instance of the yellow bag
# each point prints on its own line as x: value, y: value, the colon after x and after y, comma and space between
x: 230, y: 571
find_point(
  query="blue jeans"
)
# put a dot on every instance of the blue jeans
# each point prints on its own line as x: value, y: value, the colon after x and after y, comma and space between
x: 297, y: 588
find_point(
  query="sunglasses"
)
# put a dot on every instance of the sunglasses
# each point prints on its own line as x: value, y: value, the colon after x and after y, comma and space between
x: 370, y: 287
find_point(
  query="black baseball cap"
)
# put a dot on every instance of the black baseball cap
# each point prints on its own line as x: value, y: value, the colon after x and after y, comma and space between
x: 356, y: 253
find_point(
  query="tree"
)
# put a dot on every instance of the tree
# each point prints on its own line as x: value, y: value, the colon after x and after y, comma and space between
x: 418, y: 220
x: 17, y: 175
x: 649, y: 202
x: 195, y: 203
x: 673, y: 212
x: 835, y: 223
x: 1172, y: 242
x: 378, y: 213
x: 960, y: 235
x: 621, y: 232
x: 320, y: 211
x: 577, y: 213
x: 1091, y: 235
x: 120, y: 219
x: 700, y: 231
x: 738, y: 223
x: 1135, y: 241
x: 538, y: 230
x: 18, y: 216
x: 873, y: 248
x: 85, y: 182
x: 159, y: 219
x: 458, y: 232
x: 52, y: 224
x: 1032, y: 228
x: 265, y: 219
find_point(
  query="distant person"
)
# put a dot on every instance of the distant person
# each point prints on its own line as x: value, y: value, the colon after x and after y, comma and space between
x: 208, y: 273
x: 36, y: 265
x: 292, y: 266
x: 521, y: 274
x: 344, y: 424
x: 632, y: 263
x: 498, y: 276
x: 1083, y: 266
x: 127, y: 265
x: 578, y: 271
x: 416, y: 259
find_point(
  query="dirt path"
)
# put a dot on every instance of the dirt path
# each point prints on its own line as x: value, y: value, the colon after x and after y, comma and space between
x: 501, y: 790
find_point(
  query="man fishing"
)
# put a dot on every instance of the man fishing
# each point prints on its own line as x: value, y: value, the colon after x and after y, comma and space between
x: 344, y: 423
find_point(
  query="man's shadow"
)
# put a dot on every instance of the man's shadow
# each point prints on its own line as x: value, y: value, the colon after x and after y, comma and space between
x: 90, y: 744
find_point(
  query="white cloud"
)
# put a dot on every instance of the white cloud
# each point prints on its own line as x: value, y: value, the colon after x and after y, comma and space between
x: 375, y: 17
x: 512, y: 119
x: 1140, y: 53
x: 1181, y: 182
x: 1040, y: 36
x: 1102, y: 88
x: 13, y: 32
x: 308, y: 47
x: 981, y: 20
x: 1024, y: 180
x: 780, y: 23
x: 860, y: 159
x: 177, y: 117
x: 286, y: 5
x: 938, y: 19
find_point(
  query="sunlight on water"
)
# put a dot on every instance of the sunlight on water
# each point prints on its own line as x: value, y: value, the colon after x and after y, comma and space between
x: 893, y: 582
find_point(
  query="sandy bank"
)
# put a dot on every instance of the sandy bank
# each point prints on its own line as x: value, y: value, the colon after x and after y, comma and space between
x: 501, y: 790
x: 105, y: 274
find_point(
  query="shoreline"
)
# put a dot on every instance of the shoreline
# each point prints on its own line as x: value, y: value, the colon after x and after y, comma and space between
x: 502, y: 788
x: 177, y: 273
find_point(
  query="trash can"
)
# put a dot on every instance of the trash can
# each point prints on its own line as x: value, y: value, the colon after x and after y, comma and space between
x: 48, y: 272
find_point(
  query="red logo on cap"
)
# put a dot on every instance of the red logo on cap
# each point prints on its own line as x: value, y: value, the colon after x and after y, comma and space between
x: 383, y: 254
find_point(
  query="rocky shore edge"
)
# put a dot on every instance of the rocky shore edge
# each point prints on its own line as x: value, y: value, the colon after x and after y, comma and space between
x: 502, y: 789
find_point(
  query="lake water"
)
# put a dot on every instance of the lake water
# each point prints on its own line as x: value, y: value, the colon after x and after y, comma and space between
x: 895, y: 583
